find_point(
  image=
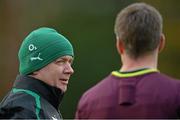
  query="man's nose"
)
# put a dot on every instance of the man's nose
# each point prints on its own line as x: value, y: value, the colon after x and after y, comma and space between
x: 69, y: 69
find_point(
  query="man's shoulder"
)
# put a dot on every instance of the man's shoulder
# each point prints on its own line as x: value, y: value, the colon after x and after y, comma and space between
x: 166, y: 78
x: 16, y: 106
x: 103, y: 87
x: 18, y: 100
x: 17, y: 112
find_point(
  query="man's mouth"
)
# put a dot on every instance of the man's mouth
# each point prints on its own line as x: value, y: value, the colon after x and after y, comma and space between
x: 64, y: 81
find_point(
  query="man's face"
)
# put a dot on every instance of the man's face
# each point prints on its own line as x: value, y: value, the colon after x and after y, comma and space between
x: 57, y: 73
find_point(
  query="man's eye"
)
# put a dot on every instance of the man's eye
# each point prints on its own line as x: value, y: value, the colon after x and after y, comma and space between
x: 60, y: 62
x: 71, y: 62
x: 63, y: 61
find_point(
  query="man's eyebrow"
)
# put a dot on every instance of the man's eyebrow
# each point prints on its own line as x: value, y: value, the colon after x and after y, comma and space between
x: 66, y: 58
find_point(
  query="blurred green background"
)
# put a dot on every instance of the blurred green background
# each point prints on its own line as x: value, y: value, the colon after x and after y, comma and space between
x: 89, y: 26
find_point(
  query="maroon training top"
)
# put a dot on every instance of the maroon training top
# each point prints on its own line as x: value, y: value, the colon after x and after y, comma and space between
x: 143, y: 93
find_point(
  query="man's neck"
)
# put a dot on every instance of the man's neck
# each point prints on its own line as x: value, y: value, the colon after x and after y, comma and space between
x: 148, y: 61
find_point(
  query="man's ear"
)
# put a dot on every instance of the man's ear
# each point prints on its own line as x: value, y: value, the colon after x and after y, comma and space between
x: 119, y: 46
x: 162, y: 42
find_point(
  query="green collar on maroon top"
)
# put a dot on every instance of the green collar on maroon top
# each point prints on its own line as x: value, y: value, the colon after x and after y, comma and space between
x: 133, y: 73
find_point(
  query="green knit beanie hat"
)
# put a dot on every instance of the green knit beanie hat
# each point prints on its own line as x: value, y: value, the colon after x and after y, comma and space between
x: 41, y: 47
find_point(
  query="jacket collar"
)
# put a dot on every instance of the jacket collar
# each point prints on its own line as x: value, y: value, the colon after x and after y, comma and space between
x: 52, y: 94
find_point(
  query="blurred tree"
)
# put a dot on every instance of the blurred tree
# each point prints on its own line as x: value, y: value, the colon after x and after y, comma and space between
x: 89, y: 24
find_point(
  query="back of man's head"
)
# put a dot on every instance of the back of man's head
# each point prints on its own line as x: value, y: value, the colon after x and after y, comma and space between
x: 139, y: 27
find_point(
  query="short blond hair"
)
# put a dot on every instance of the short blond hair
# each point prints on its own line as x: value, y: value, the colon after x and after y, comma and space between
x: 139, y: 26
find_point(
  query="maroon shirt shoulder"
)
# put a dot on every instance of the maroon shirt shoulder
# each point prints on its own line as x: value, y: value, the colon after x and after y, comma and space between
x: 152, y: 95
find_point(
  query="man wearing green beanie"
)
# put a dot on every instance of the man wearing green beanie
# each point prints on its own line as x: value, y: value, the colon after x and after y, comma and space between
x: 45, y: 59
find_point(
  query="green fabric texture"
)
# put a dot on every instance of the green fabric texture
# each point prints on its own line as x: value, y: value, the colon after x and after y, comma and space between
x: 41, y: 47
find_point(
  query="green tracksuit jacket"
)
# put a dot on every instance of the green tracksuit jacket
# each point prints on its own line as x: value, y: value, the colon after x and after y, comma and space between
x: 31, y: 99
